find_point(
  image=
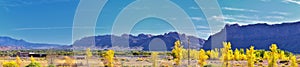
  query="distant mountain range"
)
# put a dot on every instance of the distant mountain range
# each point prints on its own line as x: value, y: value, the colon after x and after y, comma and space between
x: 13, y: 44
x: 104, y: 41
x: 142, y: 40
x: 285, y: 35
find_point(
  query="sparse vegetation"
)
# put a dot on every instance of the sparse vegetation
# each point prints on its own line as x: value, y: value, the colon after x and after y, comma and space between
x: 218, y: 57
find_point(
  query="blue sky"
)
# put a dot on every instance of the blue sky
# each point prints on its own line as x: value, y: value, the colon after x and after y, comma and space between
x: 51, y: 21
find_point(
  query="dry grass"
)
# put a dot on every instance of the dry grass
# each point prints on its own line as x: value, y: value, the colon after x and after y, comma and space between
x: 130, y: 62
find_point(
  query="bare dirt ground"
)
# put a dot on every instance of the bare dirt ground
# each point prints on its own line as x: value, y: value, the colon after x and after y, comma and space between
x: 130, y: 62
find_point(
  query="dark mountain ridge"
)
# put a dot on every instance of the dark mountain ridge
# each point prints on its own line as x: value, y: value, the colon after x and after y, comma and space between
x: 285, y: 35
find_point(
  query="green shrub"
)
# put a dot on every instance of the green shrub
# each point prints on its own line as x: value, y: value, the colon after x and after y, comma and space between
x: 34, y: 64
x: 51, y: 65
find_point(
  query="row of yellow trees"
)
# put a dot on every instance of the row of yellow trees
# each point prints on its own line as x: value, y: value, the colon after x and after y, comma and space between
x: 227, y: 55
x: 272, y: 56
x: 108, y: 55
x: 18, y: 62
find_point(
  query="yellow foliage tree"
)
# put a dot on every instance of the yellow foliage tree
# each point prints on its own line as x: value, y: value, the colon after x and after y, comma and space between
x: 109, y: 57
x: 184, y: 54
x: 88, y: 55
x: 237, y: 54
x: 177, y: 51
x: 231, y: 55
x: 242, y: 55
x: 154, y: 56
x: 250, y: 56
x: 209, y: 53
x: 194, y: 54
x: 272, y: 60
x: 10, y: 64
x: 214, y: 54
x: 33, y: 63
x: 266, y: 55
x: 226, y: 54
x: 282, y: 56
x: 18, y: 60
x: 32, y: 59
x: 202, y: 58
x: 293, y: 61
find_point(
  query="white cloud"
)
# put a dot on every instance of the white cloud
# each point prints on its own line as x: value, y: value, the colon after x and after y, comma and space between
x: 239, y: 9
x: 194, y: 8
x: 253, y: 22
x: 45, y: 28
x: 53, y: 28
x: 196, y: 18
x: 245, y: 20
x: 251, y: 18
x: 261, y: 21
x: 235, y: 22
x: 292, y: 1
x: 242, y: 16
x: 204, y: 33
x: 238, y: 16
x: 202, y: 27
x: 217, y: 18
x: 220, y: 18
x: 274, y: 17
x: 280, y: 13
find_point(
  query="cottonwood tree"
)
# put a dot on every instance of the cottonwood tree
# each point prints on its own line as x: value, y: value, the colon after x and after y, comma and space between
x: 266, y: 55
x: 237, y: 55
x: 177, y: 51
x: 109, y: 57
x: 214, y: 53
x: 32, y: 59
x: 226, y: 54
x: 202, y: 58
x: 10, y: 64
x: 272, y: 60
x: 88, y: 55
x: 293, y: 61
x: 33, y: 63
x: 18, y: 60
x: 154, y: 57
x: 250, y: 56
